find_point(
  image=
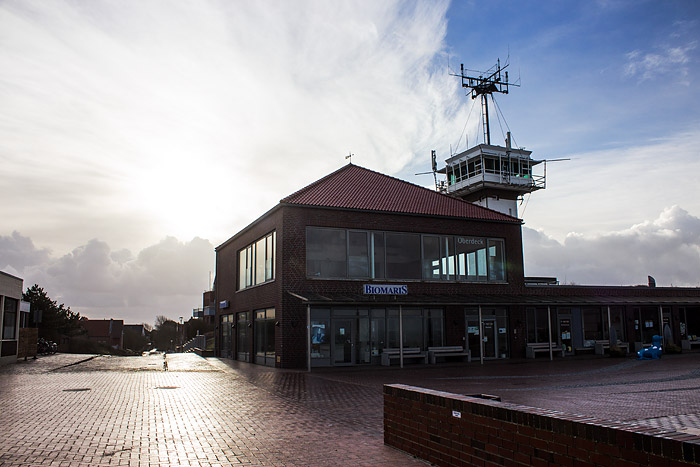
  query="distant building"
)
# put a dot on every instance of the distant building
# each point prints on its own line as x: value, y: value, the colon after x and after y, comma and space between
x: 208, y: 311
x: 138, y: 329
x: 109, y: 332
x: 335, y: 273
x: 10, y: 298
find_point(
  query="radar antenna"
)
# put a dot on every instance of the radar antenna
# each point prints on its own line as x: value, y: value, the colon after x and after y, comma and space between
x: 488, y: 82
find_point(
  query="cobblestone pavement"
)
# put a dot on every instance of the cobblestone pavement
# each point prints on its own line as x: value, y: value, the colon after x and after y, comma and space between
x: 136, y: 411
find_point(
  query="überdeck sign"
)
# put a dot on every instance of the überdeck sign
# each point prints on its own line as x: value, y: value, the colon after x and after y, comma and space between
x: 379, y: 289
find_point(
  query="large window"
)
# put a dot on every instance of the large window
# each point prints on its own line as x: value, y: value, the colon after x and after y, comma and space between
x: 538, y: 329
x: 326, y: 253
x: 338, y: 254
x: 403, y: 256
x: 256, y: 262
x: 265, y: 337
x: 226, y: 342
x: 9, y: 326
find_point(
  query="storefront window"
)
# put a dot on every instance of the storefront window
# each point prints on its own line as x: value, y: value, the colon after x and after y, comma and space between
x: 617, y: 322
x: 320, y: 346
x: 434, y: 328
x: 265, y: 337
x: 593, y: 327
x: 225, y: 322
x: 377, y: 332
x: 537, y: 327
x: 242, y: 340
x: 692, y: 322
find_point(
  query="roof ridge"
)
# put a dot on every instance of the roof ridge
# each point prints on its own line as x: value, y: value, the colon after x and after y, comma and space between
x: 297, y: 196
x: 317, y: 182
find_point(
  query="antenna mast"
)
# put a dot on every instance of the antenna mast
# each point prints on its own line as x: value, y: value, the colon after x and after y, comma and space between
x: 494, y: 80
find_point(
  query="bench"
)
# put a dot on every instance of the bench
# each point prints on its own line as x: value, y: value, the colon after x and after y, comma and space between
x: 534, y: 348
x: 601, y: 345
x: 687, y: 344
x: 412, y: 353
x: 448, y: 351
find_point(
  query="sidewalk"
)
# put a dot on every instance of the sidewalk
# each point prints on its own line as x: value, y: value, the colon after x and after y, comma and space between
x: 95, y: 410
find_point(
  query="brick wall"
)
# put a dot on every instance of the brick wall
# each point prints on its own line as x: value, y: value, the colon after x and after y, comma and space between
x: 421, y: 422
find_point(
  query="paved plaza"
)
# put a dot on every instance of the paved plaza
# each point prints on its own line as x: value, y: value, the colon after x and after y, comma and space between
x: 181, y: 409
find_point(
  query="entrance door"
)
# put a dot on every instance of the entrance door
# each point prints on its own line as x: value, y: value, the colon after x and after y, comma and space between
x: 490, y: 338
x: 564, y: 336
x: 343, y: 342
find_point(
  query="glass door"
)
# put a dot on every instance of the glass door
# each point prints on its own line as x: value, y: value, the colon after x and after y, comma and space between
x: 490, y: 338
x: 564, y: 336
x: 343, y: 342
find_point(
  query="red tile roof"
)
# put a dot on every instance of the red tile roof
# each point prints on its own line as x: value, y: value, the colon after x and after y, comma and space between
x: 354, y: 187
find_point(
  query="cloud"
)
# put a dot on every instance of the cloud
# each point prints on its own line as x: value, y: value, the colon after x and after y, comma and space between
x: 667, y: 248
x: 166, y: 278
x: 138, y: 120
x: 666, y: 61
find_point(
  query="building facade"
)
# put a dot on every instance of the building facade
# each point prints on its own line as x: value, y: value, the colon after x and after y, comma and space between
x: 10, y: 298
x: 338, y: 272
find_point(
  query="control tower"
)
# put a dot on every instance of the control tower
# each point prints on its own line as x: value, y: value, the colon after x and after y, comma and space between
x: 492, y: 176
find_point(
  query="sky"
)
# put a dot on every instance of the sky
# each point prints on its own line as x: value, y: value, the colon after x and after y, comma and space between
x: 137, y: 136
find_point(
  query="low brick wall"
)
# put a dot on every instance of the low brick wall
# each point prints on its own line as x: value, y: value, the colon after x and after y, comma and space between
x: 453, y: 430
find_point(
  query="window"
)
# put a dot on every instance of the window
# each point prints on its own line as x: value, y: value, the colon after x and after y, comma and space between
x: 256, y: 262
x: 377, y: 253
x: 326, y: 252
x: 403, y: 259
x: 431, y: 257
x: 337, y: 254
x: 226, y: 341
x: 471, y: 258
x: 593, y: 328
x: 358, y: 254
x: 537, y: 328
x: 9, y: 326
x: 438, y: 257
x: 496, y: 261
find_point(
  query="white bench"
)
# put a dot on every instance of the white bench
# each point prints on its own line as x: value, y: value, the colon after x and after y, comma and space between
x: 688, y: 344
x: 534, y: 348
x: 448, y: 351
x: 412, y: 353
x: 601, y: 345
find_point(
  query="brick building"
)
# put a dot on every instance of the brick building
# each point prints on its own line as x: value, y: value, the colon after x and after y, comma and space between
x: 10, y: 298
x: 109, y: 332
x: 338, y: 271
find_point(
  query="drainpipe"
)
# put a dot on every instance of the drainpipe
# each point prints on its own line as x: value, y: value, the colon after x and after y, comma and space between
x: 481, y: 338
x: 308, y: 337
x: 401, y: 336
x: 549, y: 328
x: 609, y: 326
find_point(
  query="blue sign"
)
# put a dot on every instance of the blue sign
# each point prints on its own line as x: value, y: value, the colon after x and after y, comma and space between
x: 371, y: 289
